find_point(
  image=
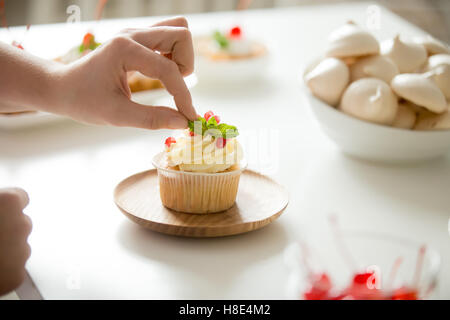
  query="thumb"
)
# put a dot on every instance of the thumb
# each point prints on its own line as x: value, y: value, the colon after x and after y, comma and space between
x: 132, y: 114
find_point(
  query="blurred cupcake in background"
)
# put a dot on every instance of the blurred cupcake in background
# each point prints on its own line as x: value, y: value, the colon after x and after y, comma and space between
x: 136, y: 80
x: 228, y: 56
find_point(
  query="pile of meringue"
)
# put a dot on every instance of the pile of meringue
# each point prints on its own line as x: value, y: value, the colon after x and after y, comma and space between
x: 400, y: 83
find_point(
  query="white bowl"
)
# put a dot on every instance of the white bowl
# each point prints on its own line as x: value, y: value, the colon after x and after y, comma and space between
x: 375, y: 142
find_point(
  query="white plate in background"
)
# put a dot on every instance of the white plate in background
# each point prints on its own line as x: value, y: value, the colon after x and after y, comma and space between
x: 20, y: 121
x: 149, y: 96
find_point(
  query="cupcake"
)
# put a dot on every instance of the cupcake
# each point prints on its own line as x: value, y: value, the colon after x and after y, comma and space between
x: 88, y: 45
x: 199, y: 171
x: 136, y: 80
x: 229, y: 56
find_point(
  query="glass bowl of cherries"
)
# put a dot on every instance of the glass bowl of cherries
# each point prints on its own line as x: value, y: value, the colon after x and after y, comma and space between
x: 362, y: 266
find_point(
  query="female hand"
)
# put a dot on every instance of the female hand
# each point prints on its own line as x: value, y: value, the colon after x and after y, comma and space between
x: 15, y: 227
x: 94, y: 88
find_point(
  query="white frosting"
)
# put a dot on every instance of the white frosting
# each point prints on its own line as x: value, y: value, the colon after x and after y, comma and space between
x: 419, y: 90
x: 328, y: 80
x: 72, y: 55
x: 432, y: 45
x: 239, y: 47
x: 408, y: 56
x: 236, y: 47
x: 370, y: 99
x: 405, y: 117
x: 200, y: 154
x: 350, y: 41
x: 379, y: 67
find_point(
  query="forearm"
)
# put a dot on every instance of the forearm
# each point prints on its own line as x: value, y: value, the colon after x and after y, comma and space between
x: 26, y: 81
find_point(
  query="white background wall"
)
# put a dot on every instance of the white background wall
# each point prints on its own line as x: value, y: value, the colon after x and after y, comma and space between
x: 431, y: 15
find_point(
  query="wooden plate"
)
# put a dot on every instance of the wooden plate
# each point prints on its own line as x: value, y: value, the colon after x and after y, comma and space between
x: 260, y: 201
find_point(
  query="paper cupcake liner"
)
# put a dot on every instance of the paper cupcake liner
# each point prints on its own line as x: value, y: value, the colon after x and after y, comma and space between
x: 199, y: 193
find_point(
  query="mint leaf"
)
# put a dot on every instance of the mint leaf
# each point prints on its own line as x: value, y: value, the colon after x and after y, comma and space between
x: 221, y: 39
x: 191, y: 125
x: 91, y: 46
x: 212, y: 123
x: 227, y: 131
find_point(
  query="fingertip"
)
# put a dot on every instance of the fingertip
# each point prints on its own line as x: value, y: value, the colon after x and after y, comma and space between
x: 185, y: 106
x: 193, y: 116
x: 177, y: 21
x: 18, y: 193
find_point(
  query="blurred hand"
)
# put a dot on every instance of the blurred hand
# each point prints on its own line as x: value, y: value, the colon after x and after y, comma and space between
x: 94, y: 89
x: 15, y: 227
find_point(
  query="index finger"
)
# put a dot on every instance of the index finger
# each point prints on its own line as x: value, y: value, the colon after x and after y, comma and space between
x: 176, y: 41
x: 17, y: 194
x: 154, y: 65
x: 173, y: 22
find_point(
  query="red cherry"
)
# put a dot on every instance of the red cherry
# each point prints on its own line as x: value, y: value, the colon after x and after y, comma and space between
x: 191, y: 133
x: 315, y: 294
x: 88, y: 38
x: 217, y: 119
x: 221, y: 142
x: 17, y: 45
x: 208, y: 115
x: 323, y: 281
x: 169, y: 141
x: 235, y: 32
x: 361, y: 278
x: 320, y: 287
x: 404, y: 293
x: 359, y: 292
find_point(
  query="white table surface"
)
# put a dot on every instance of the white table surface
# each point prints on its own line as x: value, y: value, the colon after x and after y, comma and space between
x: 83, y: 247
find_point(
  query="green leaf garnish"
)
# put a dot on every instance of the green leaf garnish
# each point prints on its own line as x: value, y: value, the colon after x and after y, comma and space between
x: 91, y: 46
x: 221, y: 40
x: 227, y: 131
x: 88, y: 43
x: 200, y: 122
x: 212, y: 123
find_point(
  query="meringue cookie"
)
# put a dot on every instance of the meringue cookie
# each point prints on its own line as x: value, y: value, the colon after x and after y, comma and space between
x: 379, y: 67
x: 370, y: 99
x: 349, y: 60
x: 437, y: 60
x: 432, y: 121
x: 441, y: 76
x: 419, y: 90
x: 351, y: 41
x: 405, y: 117
x: 408, y: 56
x: 414, y: 107
x: 432, y: 45
x: 328, y: 80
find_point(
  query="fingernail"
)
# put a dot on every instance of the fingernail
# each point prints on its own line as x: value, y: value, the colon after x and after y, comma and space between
x: 177, y: 122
